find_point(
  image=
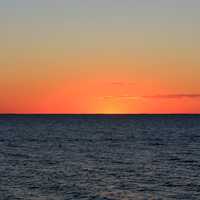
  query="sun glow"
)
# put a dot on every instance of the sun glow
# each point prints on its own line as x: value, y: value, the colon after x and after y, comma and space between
x: 110, y: 108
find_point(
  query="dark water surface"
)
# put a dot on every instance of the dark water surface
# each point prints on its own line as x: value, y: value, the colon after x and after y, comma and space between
x: 100, y: 157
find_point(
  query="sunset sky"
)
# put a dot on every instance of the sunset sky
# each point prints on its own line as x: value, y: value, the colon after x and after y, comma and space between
x: 100, y: 56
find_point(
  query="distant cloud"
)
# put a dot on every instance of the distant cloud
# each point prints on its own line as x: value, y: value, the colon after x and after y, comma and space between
x: 159, y: 96
x: 121, y: 97
x: 173, y: 96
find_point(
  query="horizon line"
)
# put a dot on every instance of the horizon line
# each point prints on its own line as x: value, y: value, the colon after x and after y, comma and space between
x: 99, y: 113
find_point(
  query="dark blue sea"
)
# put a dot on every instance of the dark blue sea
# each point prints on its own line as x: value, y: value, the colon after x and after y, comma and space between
x: 99, y: 157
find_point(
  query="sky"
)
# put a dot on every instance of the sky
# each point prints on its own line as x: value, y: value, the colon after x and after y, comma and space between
x: 91, y: 56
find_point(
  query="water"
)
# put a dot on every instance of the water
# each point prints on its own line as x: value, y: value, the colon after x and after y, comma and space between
x: 100, y: 157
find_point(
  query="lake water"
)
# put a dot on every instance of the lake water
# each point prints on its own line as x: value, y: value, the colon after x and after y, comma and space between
x: 99, y: 157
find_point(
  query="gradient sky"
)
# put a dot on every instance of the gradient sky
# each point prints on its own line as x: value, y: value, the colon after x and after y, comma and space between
x: 92, y: 56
